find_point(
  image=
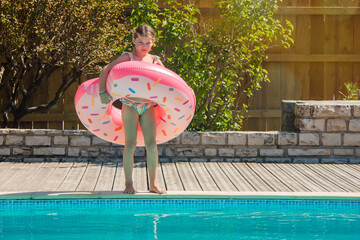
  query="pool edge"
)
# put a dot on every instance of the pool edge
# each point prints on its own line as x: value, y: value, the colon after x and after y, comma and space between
x: 340, y: 196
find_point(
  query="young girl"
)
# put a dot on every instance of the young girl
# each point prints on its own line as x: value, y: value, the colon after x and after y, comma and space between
x: 136, y: 109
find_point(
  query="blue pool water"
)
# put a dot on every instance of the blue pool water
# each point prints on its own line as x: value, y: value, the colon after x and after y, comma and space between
x: 179, y: 219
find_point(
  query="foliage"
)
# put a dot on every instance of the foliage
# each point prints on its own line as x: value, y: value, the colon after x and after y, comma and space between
x: 352, y: 91
x: 39, y: 37
x: 220, y: 59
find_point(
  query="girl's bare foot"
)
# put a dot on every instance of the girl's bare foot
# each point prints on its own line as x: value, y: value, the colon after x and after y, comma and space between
x: 129, y: 189
x: 156, y: 189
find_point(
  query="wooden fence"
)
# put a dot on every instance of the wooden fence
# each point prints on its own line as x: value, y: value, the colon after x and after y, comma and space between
x: 326, y: 54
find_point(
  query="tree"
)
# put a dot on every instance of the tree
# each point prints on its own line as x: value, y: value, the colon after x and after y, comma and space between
x: 39, y: 37
x: 221, y: 59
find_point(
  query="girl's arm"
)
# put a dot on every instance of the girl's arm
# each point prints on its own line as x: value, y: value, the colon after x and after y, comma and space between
x: 104, y: 72
x: 158, y: 62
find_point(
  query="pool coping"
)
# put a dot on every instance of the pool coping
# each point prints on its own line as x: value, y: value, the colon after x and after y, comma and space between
x: 71, y: 195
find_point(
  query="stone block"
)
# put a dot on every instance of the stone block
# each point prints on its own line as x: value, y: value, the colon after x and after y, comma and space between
x: 306, y: 160
x: 354, y: 125
x: 336, y: 125
x: 210, y: 152
x: 37, y: 140
x: 309, y: 139
x: 213, y: 138
x: 352, y: 139
x: 343, y: 151
x: 175, y: 140
x: 285, y: 138
x: 261, y: 139
x: 14, y: 140
x: 216, y: 160
x: 246, y: 152
x: 331, y: 139
x: 190, y: 138
x: 61, y: 140
x: 302, y: 110
x: 271, y: 152
x: 233, y: 160
x: 308, y: 152
x: 190, y: 152
x: 236, y: 138
x: 109, y: 152
x: 226, y: 152
x: 4, y: 151
x: 310, y: 125
x: 354, y: 160
x: 89, y: 152
x: 277, y: 160
x: 79, y: 141
x: 33, y: 160
x: 140, y: 152
x: 332, y: 111
x: 170, y: 152
x: 256, y: 160
x: 198, y: 160
x: 73, y: 152
x: 356, y: 110
x: 49, y: 151
x: 1, y: 140
x: 164, y: 160
x: 26, y: 151
x: 96, y: 141
x: 334, y: 160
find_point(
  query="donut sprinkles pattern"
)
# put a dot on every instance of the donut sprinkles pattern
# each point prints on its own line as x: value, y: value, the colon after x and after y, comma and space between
x: 175, y: 100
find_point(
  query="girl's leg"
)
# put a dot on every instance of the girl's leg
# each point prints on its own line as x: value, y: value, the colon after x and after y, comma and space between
x: 130, y: 118
x: 148, y: 127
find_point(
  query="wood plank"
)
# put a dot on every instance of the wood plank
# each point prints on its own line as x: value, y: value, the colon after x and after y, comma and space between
x: 140, y: 177
x: 301, y: 178
x: 236, y: 178
x: 341, y: 178
x: 90, y: 177
x: 270, y: 179
x: 57, y: 177
x: 342, y: 173
x: 25, y: 175
x: 119, y: 181
x: 171, y: 177
x: 74, y: 177
x: 285, y: 177
x: 314, y: 57
x: 353, y: 169
x: 12, y: 172
x: 206, y: 182
x: 187, y: 177
x: 160, y: 178
x: 106, y: 177
x: 222, y: 181
x: 317, y: 178
x: 257, y: 182
x: 318, y: 11
x: 41, y: 176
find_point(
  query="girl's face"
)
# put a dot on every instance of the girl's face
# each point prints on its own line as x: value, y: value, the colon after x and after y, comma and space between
x: 143, y: 44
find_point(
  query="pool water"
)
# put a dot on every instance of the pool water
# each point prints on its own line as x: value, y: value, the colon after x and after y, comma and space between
x: 179, y: 219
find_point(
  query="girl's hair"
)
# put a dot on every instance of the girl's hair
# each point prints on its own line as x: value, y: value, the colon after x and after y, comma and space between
x: 144, y: 31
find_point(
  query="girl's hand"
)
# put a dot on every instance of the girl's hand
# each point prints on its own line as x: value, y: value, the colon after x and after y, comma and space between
x: 105, y: 98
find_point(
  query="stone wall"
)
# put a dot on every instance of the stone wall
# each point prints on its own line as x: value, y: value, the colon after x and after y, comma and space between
x: 325, y: 132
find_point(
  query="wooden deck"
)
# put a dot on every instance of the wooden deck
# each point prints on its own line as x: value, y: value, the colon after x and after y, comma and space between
x: 183, y: 177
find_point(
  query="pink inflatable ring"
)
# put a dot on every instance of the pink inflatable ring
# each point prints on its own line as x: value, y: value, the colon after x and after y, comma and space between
x: 173, y: 113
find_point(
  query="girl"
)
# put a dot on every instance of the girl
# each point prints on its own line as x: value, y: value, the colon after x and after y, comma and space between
x: 136, y: 109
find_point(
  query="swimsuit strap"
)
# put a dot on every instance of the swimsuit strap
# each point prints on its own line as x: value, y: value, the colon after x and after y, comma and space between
x: 156, y: 58
x: 130, y: 55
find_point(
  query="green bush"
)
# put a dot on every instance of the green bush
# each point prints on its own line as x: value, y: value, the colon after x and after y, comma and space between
x: 221, y: 60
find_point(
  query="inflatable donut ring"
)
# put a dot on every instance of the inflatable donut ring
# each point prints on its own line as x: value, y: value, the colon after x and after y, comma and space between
x: 173, y: 113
